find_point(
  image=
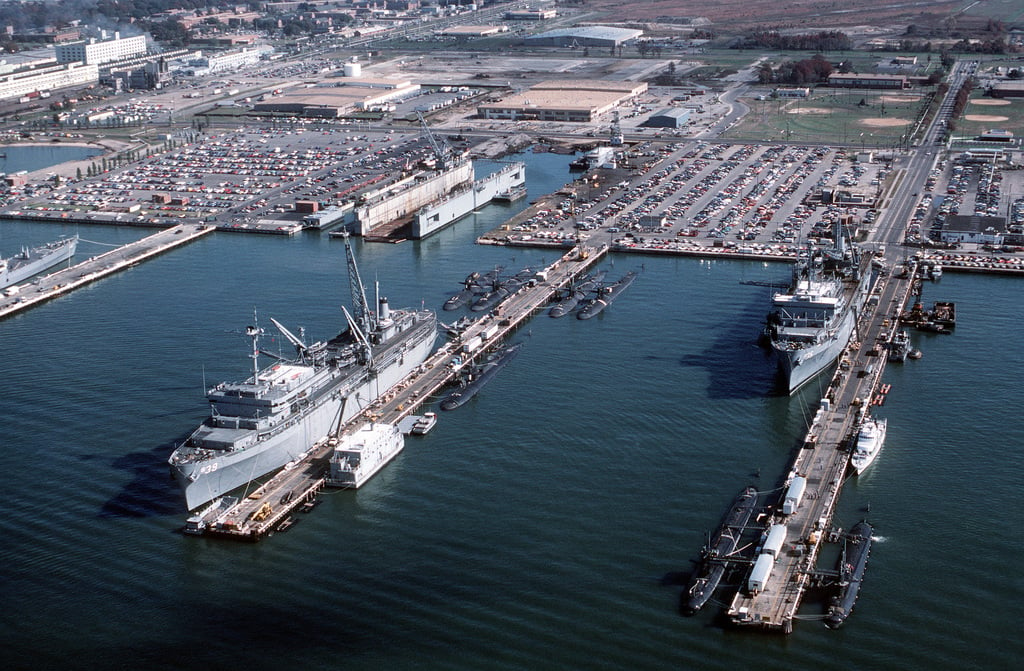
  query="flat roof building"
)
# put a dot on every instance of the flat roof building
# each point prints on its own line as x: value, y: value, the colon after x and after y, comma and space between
x: 855, y: 81
x: 95, y: 52
x: 563, y: 100
x: 672, y: 117
x: 1008, y: 90
x: 589, y: 36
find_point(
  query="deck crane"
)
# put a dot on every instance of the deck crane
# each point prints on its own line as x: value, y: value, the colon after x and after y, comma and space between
x: 442, y: 152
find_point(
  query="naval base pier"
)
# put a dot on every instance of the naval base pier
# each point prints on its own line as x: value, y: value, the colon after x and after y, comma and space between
x: 269, y: 507
x: 822, y: 460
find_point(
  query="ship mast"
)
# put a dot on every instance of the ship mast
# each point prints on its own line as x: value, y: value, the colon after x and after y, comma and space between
x: 364, y: 316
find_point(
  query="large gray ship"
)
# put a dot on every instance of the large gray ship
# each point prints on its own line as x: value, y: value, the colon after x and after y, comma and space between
x: 274, y: 417
x: 811, y: 324
x: 29, y: 262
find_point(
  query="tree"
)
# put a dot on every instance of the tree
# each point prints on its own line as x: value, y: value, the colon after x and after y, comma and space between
x: 1015, y: 74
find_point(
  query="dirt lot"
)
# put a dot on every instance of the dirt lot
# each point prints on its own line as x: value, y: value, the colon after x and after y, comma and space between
x: 732, y: 16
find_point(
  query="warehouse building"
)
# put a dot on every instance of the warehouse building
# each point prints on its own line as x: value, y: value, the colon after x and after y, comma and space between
x: 588, y: 36
x: 673, y: 117
x: 563, y: 100
x: 337, y: 101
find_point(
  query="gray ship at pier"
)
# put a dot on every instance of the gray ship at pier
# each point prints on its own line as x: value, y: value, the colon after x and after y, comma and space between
x: 29, y: 262
x: 811, y: 324
x: 277, y: 414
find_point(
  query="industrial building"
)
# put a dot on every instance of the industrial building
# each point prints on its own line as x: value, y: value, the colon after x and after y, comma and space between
x: 1008, y: 90
x: 46, y: 78
x: 672, y: 117
x: 463, y: 32
x: 856, y: 81
x: 563, y: 100
x: 973, y: 228
x: 97, y: 52
x: 337, y: 101
x: 588, y: 36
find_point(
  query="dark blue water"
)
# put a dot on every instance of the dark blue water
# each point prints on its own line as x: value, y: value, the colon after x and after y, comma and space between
x: 36, y: 157
x: 530, y: 529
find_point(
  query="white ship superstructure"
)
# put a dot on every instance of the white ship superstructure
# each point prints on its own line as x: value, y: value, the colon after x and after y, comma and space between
x: 359, y: 455
x: 276, y: 415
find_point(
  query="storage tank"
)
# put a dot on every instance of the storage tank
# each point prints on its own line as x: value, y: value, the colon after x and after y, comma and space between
x: 352, y: 69
x: 760, y: 574
x: 794, y: 495
x: 776, y: 539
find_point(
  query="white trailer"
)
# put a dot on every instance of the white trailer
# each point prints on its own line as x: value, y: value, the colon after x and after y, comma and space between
x: 794, y: 495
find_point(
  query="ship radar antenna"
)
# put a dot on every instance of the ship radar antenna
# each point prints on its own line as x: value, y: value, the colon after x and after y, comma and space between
x: 363, y: 315
x: 254, y: 332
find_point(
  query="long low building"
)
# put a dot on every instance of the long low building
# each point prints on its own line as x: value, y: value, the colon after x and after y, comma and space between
x: 46, y: 78
x: 587, y: 36
x: 563, y: 100
x: 336, y: 101
x: 857, y: 81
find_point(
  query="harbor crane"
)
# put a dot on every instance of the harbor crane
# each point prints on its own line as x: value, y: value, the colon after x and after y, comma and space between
x: 442, y: 151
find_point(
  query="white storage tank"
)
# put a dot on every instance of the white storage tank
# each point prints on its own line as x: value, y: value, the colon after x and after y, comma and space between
x: 760, y: 574
x: 353, y: 70
x: 776, y: 539
x: 794, y: 495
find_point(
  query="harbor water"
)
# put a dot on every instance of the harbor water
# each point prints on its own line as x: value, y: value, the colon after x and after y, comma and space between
x: 532, y: 528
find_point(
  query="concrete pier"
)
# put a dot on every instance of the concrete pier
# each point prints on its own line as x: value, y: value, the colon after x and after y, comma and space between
x: 259, y: 513
x: 61, y: 282
x: 822, y: 461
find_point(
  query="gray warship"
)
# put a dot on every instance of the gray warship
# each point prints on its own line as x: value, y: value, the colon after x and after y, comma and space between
x: 29, y: 262
x: 276, y: 415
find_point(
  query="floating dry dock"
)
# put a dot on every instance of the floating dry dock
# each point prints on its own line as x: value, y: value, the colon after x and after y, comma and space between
x: 770, y: 599
x: 269, y: 506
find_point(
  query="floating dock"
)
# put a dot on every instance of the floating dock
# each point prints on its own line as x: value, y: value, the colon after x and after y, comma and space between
x: 268, y: 507
x: 818, y: 470
x: 61, y: 282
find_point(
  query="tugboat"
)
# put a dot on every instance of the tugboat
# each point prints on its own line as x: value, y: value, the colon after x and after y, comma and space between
x: 899, y: 348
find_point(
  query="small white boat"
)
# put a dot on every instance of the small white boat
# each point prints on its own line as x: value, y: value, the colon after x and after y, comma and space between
x: 424, y: 424
x: 869, y: 443
x: 935, y: 272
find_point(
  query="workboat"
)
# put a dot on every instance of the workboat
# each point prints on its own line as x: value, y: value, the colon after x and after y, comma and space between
x: 899, y: 348
x: 605, y: 296
x: 359, y: 455
x: 811, y: 324
x: 424, y: 424
x: 870, y: 438
x: 715, y: 555
x: 275, y: 416
x: 29, y: 262
x: 852, y: 563
x: 480, y: 376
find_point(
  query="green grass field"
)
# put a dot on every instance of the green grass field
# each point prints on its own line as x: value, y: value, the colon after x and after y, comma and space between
x: 834, y: 116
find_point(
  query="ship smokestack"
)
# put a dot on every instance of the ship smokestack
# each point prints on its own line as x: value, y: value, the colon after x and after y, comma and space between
x: 840, y: 241
x: 383, y: 310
